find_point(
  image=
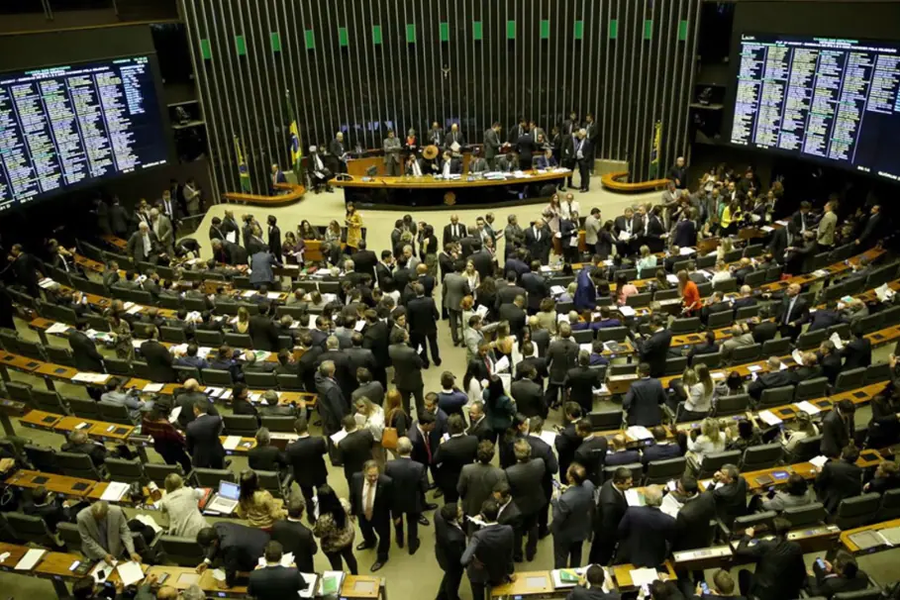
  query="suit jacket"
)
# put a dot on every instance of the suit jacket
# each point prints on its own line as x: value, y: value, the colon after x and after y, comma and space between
x: 296, y: 538
x: 355, y: 450
x: 136, y: 249
x: 239, y: 548
x: 275, y: 582
x: 645, y: 534
x: 529, y: 398
x: 828, y: 584
x: 800, y: 312
x: 373, y: 390
x: 481, y: 430
x: 731, y: 500
x: 263, y: 333
x: 572, y: 514
x: 455, y: 288
x: 536, y: 287
x: 476, y: 484
x: 654, y: 351
x: 526, y: 485
x: 384, y: 495
x: 85, y: 353
x: 770, y: 380
x: 118, y: 536
x: 581, y: 381
x: 375, y: 338
x: 451, y: 457
x: 692, y: 528
x: 838, y: 480
x: 858, y: 353
x: 410, y: 482
x: 407, y: 367
x: 489, y: 555
x: 656, y: 452
x: 306, y: 457
x: 836, y: 432
x: 449, y: 544
x: 643, y: 402
x: 159, y: 362
x: 780, y: 571
x: 422, y: 315
x: 203, y: 442
x: 561, y: 356
x: 591, y: 454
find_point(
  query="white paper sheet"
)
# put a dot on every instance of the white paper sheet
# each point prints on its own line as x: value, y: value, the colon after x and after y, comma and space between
x: 152, y: 388
x: 130, y: 572
x: 549, y: 438
x: 808, y: 408
x: 502, y: 365
x: 836, y: 340
x: 310, y: 579
x: 769, y: 418
x: 633, y: 497
x: 686, y: 251
x: 114, y: 492
x: 481, y: 311
x: 624, y: 236
x: 641, y: 577
x: 337, y: 437
x: 231, y: 442
x: 173, y: 416
x: 638, y: 432
x: 103, y: 566
x: 670, y: 506
x: 218, y: 574
x: 818, y: 461
x: 626, y: 311
x: 797, y: 356
x: 30, y: 560
x: 360, y: 325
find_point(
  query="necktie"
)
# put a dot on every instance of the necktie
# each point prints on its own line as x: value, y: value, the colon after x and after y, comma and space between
x: 370, y: 502
x: 787, y: 313
x: 427, y: 446
x: 487, y: 363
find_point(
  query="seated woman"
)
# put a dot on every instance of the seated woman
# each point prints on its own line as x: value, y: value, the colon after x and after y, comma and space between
x: 711, y: 439
x: 799, y: 429
x: 569, y: 294
x: 646, y: 263
x: 696, y: 390
x: 624, y: 289
x: 796, y: 493
x: 744, y: 435
x: 257, y: 505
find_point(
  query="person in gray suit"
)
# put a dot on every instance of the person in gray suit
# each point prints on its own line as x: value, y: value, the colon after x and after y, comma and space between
x: 492, y: 144
x: 392, y: 147
x: 373, y: 390
x: 143, y: 245
x: 261, y: 263
x: 163, y: 229
x: 104, y: 533
x: 571, y: 517
x: 477, y: 481
x: 561, y: 356
x: 489, y: 556
x: 455, y: 288
x: 477, y: 164
x: 526, y: 483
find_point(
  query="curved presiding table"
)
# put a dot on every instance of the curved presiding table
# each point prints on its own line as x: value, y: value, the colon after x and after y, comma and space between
x: 613, y: 181
x: 431, y: 191
x: 294, y: 193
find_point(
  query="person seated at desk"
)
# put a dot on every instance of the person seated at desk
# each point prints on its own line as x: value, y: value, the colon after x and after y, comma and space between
x: 596, y: 358
x: 190, y: 358
x: 796, y: 493
x: 257, y: 505
x: 606, y: 320
x: 48, y: 506
x: 449, y: 165
x: 251, y: 365
x: 619, y: 454
x: 264, y: 456
x: 234, y: 547
x: 105, y: 534
x: 182, y: 505
x: 780, y: 572
x: 80, y: 444
x: 270, y: 406
x: 741, y: 337
x: 774, y: 377
x: 117, y: 395
x: 887, y: 477
x: 662, y: 447
x: 839, y: 479
x: 730, y: 495
x: 478, y: 164
x: 744, y: 434
x: 799, y: 429
x: 414, y: 167
x: 842, y: 576
x: 545, y: 160
x: 590, y: 587
x: 708, y: 346
x: 272, y: 581
x: 508, y: 162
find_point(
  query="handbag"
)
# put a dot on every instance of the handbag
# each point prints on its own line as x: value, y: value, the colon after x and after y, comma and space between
x: 389, y: 438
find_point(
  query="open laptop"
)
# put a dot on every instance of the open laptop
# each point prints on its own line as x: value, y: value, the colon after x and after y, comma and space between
x: 226, y: 500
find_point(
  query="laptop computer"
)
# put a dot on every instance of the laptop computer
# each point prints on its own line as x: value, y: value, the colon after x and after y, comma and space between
x: 226, y: 500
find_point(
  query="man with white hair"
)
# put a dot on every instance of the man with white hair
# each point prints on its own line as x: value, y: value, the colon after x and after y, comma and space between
x: 143, y: 245
x: 105, y: 534
x: 583, y: 158
x: 338, y: 151
x: 319, y: 174
x: 645, y: 532
x: 162, y: 227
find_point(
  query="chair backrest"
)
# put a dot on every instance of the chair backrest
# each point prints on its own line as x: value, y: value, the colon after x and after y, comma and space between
x: 622, y: 369
x: 141, y: 370
x: 637, y: 471
x: 83, y: 408
x: 244, y: 425
x: 713, y: 462
x: 628, y: 274
x: 777, y: 396
x: 807, y: 448
x: 878, y: 372
x: 118, y: 366
x: 871, y: 323
x: 260, y: 380
x: 720, y: 319
x: 743, y: 354
x: 663, y: 471
x: 31, y: 349
x: 271, y: 481
x: 811, y: 339
x: 605, y: 420
x: 746, y: 312
x: 612, y: 334
x: 565, y: 308
x: 704, y: 262
x: 194, y: 304
x: 216, y: 377
x: 705, y: 289
x: 583, y: 336
x: 209, y: 338
x: 174, y: 335
x: 290, y: 382
x: 238, y: 340
x: 69, y: 534
x: 77, y: 465
x: 49, y: 401
x: 43, y: 459
x: 19, y: 391
x: 755, y: 278
x: 762, y: 521
x: 280, y: 424
x: 726, y: 286
x: 780, y: 347
x: 685, y: 325
x: 211, y: 477
x: 676, y: 365
x: 891, y: 316
x: 890, y: 506
x: 60, y: 355
x: 806, y: 515
x: 638, y: 300
x: 170, y: 302
x: 669, y: 294
x: 127, y: 471
x: 872, y: 593
x: 184, y: 552
x: 754, y: 251
x: 157, y: 472
x: 732, y: 405
x: 774, y: 273
x: 184, y: 372
x: 850, y: 379
x: 115, y: 413
x: 713, y: 360
x: 761, y: 456
x: 30, y: 528
x: 811, y: 388
x: 857, y: 511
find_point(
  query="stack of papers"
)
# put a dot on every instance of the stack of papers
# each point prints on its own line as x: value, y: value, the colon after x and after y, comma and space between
x: 641, y: 577
x: 57, y: 328
x: 130, y: 572
x: 153, y: 388
x: 626, y: 311
x: 330, y: 583
x: 634, y: 497
x: 134, y: 310
x: 481, y: 311
x: 231, y: 442
x: 114, y: 492
x: 808, y: 408
x: 337, y: 437
x: 818, y: 461
x: 310, y: 579
x: 797, y: 356
x: 638, y: 432
x: 670, y: 506
x: 557, y: 290
x: 287, y: 560
x: 884, y: 292
x: 769, y: 418
x: 90, y: 378
x: 502, y: 365
x: 30, y: 560
x: 836, y: 340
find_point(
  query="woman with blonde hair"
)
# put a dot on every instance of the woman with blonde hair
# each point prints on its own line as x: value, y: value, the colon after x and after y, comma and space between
x: 371, y: 416
x: 354, y: 223
x: 472, y: 276
x: 711, y: 439
x: 181, y: 504
x: 697, y: 390
x: 647, y: 262
x: 467, y: 306
x: 503, y: 343
x: 242, y: 325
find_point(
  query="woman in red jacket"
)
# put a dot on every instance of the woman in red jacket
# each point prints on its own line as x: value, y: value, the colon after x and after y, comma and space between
x: 690, y: 295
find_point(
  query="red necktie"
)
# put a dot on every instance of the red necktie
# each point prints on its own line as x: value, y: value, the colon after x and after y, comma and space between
x: 487, y: 363
x: 427, y: 446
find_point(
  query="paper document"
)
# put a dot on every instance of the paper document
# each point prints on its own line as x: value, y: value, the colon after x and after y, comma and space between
x: 310, y: 579
x: 641, y: 577
x: 57, y: 328
x: 337, y: 437
x: 670, y: 506
x: 134, y: 310
x: 506, y: 380
x: 173, y: 416
x: 818, y: 461
x: 769, y: 418
x: 287, y: 560
x: 562, y: 317
x: 231, y: 236
x: 638, y: 432
x: 218, y: 574
x: 3, y: 557
x: 231, y: 442
x: 884, y: 292
x: 686, y: 251
x: 836, y: 340
x: 555, y: 290
x: 624, y: 236
x: 754, y: 368
x: 360, y: 325
x: 767, y: 229
x: 152, y: 388
x: 626, y: 311
x: 330, y: 583
x: 672, y: 278
x: 502, y: 365
x: 90, y: 378
x: 808, y: 407
x: 481, y: 311
x: 114, y: 492
x: 549, y: 438
x: 797, y: 356
x: 634, y: 497
x: 30, y: 560
x: 130, y: 572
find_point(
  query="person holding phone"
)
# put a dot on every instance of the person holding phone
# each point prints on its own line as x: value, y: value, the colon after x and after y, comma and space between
x: 841, y: 576
x: 723, y: 586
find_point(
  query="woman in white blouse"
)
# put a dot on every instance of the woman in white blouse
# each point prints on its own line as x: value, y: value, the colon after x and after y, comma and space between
x: 472, y: 276
x: 697, y: 390
x: 646, y: 263
x: 710, y: 441
x: 371, y: 416
x: 801, y: 428
x: 182, y: 505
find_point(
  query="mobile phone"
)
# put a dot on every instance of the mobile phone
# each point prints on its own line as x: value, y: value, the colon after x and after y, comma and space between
x: 161, y: 579
x: 821, y: 563
x: 704, y: 587
x: 556, y: 484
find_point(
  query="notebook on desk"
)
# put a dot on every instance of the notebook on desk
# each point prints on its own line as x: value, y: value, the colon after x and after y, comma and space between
x: 867, y: 539
x: 892, y: 535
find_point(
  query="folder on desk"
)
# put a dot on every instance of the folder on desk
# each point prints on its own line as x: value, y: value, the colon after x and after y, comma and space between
x: 30, y: 560
x: 868, y: 539
x: 330, y: 583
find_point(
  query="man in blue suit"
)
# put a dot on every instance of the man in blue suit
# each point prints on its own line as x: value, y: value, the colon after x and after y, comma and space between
x: 620, y: 454
x: 662, y: 448
x: 644, y: 399
x: 261, y: 264
x: 571, y: 517
x: 645, y: 532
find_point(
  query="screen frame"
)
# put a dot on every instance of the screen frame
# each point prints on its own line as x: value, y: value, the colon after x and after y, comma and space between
x: 93, y: 182
x: 731, y: 96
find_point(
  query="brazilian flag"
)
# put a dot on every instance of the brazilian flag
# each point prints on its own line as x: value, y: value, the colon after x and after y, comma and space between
x: 654, y: 151
x: 243, y: 171
x: 296, y: 149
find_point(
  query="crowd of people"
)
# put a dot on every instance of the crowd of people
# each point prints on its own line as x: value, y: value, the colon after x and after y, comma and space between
x: 479, y: 441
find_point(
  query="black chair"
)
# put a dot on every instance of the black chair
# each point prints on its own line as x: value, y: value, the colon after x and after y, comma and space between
x: 209, y: 338
x: 761, y: 521
x: 21, y: 392
x: 31, y: 529
x: 780, y: 347
x: 664, y: 471
x: 565, y: 308
x: 118, y: 366
x: 211, y: 477
x: 755, y: 278
x: 713, y: 360
x: 713, y: 462
x: 583, y: 336
x: 622, y: 369
x: 42, y: 459
x: 745, y: 354
x: 115, y: 413
x: 49, y: 402
x: 238, y: 340
x: 77, y: 465
x: 184, y: 373
x: 83, y: 408
x: 872, y: 593
x: 849, y: 380
x: 612, y: 334
x: 279, y: 424
x: 726, y: 286
x: 877, y: 373
x: 670, y: 294
x: 128, y: 471
x: 805, y: 516
x: 141, y: 370
x: 157, y: 472
x: 273, y: 482
x: 811, y: 339
x: 705, y: 262
x: 763, y: 456
x: 173, y: 335
x: 639, y: 300
x: 260, y: 381
x: 70, y: 536
x: 811, y: 388
x: 60, y: 355
x: 857, y: 511
x: 746, y: 312
x: 754, y: 251
x: 676, y: 365
x: 629, y: 274
x: 289, y: 382
x: 731, y: 405
x: 776, y: 396
x: 720, y: 319
x: 242, y: 425
x: 184, y: 552
x: 872, y: 323
x: 806, y: 449
x: 216, y: 377
x: 890, y: 506
x: 685, y: 325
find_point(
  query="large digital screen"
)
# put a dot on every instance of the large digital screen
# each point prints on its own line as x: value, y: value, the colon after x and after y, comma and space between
x: 71, y: 125
x: 826, y: 99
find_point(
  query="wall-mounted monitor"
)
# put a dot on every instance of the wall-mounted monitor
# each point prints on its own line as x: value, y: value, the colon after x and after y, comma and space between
x: 826, y: 99
x: 68, y: 126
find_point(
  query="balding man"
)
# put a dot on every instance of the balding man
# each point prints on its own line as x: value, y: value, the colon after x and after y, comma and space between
x: 79, y: 443
x: 746, y: 299
x: 740, y: 338
x: 186, y: 398
x: 793, y: 312
x: 143, y: 245
x: 338, y: 151
x: 645, y: 532
x: 104, y: 533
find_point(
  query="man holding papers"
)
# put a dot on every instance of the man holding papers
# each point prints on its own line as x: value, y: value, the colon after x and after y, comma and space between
x: 104, y: 533
x: 274, y: 581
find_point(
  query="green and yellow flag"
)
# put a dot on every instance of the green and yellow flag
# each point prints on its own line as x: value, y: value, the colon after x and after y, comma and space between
x: 296, y: 149
x: 654, y: 151
x: 243, y: 171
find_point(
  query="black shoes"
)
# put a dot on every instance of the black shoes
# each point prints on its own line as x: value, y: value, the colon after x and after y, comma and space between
x: 423, y: 520
x: 378, y: 564
x: 413, y: 546
x: 364, y: 546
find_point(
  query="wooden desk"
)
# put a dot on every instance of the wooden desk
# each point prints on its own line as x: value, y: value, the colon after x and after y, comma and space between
x: 622, y: 575
x: 245, y: 445
x: 38, y: 419
x: 294, y: 194
x: 61, y: 484
x: 614, y: 181
x: 851, y: 547
x: 111, y: 432
x: 533, y: 584
x: 205, y: 580
x: 68, y: 424
x: 16, y: 553
x: 363, y: 586
x: 116, y: 242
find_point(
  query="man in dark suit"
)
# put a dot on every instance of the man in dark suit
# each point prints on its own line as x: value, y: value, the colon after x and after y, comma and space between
x: 746, y: 299
x: 535, y: 286
x: 264, y: 456
x: 371, y: 495
x: 611, y: 507
x: 262, y: 330
x: 423, y: 316
x: 273, y: 581
x: 479, y: 426
x: 774, y: 377
x: 780, y: 571
x: 295, y: 537
x: 645, y: 532
x: 581, y: 381
x: 343, y: 372
x: 782, y: 239
x: 839, y: 479
x: 236, y: 548
x: 731, y: 496
x: 449, y: 545
x: 507, y: 294
x: 452, y: 456
x: 592, y: 586
x: 620, y: 453
x: 526, y: 484
x: 692, y: 528
x: 841, y: 576
x: 454, y: 231
x: 306, y: 457
x: 489, y: 555
x: 571, y: 517
x: 408, y: 366
x: 514, y: 313
x: 355, y: 448
x: 79, y: 443
x: 203, y: 438
x: 662, y: 448
x: 793, y: 312
x: 410, y: 482
x: 538, y: 240
x: 477, y: 481
x: 871, y: 230
x: 561, y: 356
x: 364, y: 261
x: 644, y: 399
x: 838, y: 427
x: 714, y: 304
x: 709, y: 346
x: 567, y: 438
x: 543, y: 450
x: 159, y: 359
x: 858, y: 353
x: 376, y: 339
x: 84, y: 352
x: 654, y: 350
x: 528, y: 394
